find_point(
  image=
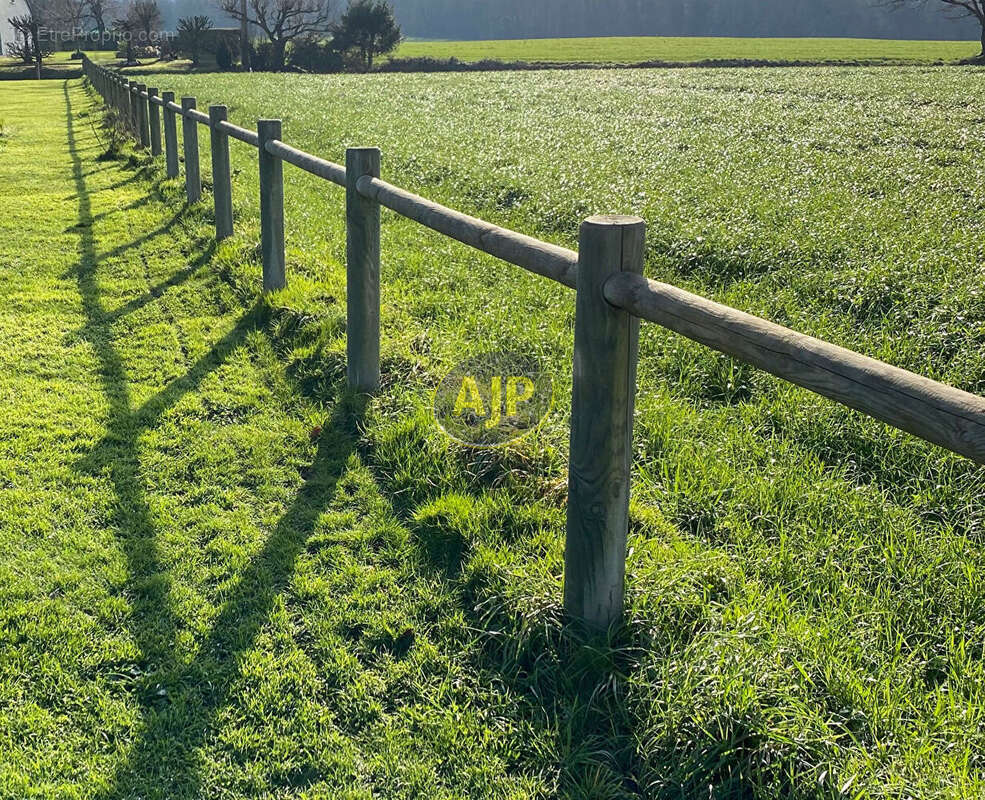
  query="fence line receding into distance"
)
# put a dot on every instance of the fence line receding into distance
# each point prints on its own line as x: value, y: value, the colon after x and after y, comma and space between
x: 612, y: 297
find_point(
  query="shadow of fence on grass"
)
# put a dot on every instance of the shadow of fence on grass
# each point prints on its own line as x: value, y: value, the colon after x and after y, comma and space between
x: 164, y: 756
x: 581, y: 693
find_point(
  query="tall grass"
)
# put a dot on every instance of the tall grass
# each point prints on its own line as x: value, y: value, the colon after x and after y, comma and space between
x: 806, y: 604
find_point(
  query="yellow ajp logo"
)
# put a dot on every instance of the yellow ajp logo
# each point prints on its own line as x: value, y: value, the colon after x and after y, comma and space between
x: 492, y: 399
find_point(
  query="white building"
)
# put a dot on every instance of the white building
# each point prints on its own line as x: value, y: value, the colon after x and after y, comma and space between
x: 8, y: 9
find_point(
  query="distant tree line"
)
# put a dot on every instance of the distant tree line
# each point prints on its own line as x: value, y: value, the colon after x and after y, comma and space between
x: 510, y: 19
x: 302, y: 35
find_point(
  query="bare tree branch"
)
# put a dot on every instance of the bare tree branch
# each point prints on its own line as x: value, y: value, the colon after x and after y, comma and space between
x: 953, y: 8
x: 283, y: 21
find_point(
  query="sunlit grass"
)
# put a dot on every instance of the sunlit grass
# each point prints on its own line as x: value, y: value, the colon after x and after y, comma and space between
x: 377, y: 612
x: 687, y: 49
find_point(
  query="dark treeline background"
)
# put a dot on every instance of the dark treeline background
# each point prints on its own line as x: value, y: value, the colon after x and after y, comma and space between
x: 516, y: 19
x: 520, y: 19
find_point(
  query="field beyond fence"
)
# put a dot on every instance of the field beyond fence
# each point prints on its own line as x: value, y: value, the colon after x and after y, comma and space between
x: 612, y: 296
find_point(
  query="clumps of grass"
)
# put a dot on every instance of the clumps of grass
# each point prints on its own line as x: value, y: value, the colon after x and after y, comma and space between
x: 802, y: 582
x: 114, y: 138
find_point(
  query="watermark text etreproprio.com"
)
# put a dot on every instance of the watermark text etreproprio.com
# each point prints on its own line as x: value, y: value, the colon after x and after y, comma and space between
x: 74, y: 35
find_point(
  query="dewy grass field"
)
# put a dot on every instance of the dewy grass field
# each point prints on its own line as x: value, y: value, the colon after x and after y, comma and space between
x: 692, y: 49
x: 199, y: 601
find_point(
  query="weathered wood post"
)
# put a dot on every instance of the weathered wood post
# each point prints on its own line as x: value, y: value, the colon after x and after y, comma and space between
x: 170, y: 136
x: 602, y: 399
x: 222, y: 190
x: 189, y: 135
x: 143, y: 117
x: 125, y: 104
x: 134, y: 109
x: 155, y: 121
x: 362, y: 269
x: 271, y: 208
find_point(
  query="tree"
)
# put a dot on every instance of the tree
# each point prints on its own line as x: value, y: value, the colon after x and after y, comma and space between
x: 193, y: 33
x: 42, y: 14
x: 22, y: 46
x: 74, y: 13
x: 127, y: 29
x: 141, y: 20
x: 283, y: 21
x: 100, y: 12
x: 146, y: 18
x: 956, y: 8
x: 368, y: 28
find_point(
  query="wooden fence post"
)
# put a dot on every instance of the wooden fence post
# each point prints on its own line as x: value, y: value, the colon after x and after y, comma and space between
x: 602, y: 399
x: 189, y: 135
x: 143, y: 117
x: 170, y: 136
x: 271, y: 208
x: 222, y: 190
x: 362, y: 268
x: 125, y: 104
x: 155, y: 122
x: 134, y: 109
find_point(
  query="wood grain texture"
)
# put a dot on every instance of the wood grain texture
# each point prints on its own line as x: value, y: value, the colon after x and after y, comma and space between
x: 143, y: 117
x: 189, y: 135
x: 271, y: 208
x: 132, y: 107
x: 242, y: 134
x: 602, y: 401
x: 170, y: 135
x: 309, y: 163
x: 155, y: 121
x: 195, y: 115
x: 536, y: 256
x: 941, y: 414
x: 362, y: 217
x: 222, y: 189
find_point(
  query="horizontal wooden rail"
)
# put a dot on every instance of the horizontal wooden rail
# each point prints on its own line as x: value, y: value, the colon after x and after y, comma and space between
x: 941, y: 414
x: 309, y: 163
x: 198, y: 116
x: 531, y: 254
x: 249, y: 137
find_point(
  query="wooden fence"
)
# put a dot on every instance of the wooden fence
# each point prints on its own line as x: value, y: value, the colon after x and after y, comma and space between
x: 612, y: 296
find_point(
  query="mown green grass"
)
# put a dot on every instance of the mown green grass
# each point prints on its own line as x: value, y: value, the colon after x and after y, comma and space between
x: 57, y: 65
x: 378, y: 612
x: 690, y: 49
x: 199, y: 595
x: 806, y: 608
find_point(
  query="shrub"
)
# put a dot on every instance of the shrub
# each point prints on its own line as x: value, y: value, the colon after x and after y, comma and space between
x: 223, y: 56
x: 262, y: 56
x: 367, y: 29
x: 312, y: 55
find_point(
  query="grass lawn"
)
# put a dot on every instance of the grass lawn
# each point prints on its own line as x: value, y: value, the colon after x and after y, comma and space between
x: 198, y: 596
x: 57, y: 65
x: 203, y: 595
x: 689, y: 49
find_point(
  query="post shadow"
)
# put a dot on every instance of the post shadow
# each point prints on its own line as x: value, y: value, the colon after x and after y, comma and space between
x: 166, y: 747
